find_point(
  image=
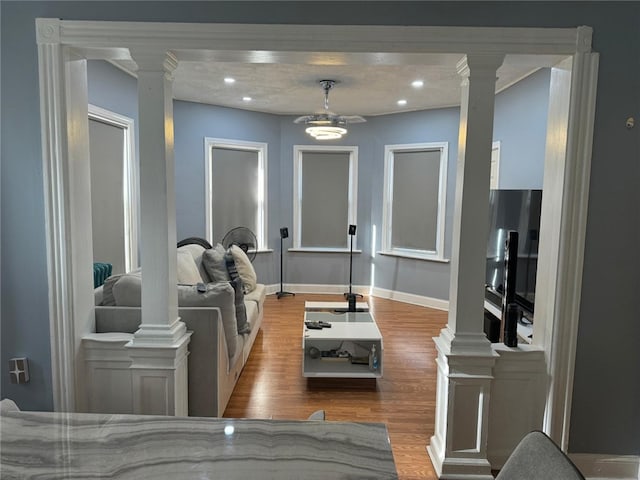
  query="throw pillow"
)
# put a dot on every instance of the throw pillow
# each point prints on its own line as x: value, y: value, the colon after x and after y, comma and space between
x: 196, y: 252
x: 242, y: 324
x: 217, y: 295
x: 108, y: 298
x: 127, y: 291
x: 214, y: 264
x: 236, y: 283
x: 245, y: 269
x: 187, y: 270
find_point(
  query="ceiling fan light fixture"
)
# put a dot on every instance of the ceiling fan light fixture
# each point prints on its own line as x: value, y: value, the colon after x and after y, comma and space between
x: 326, y: 132
x: 327, y: 125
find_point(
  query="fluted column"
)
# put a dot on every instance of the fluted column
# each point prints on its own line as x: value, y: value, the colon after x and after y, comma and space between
x: 465, y: 357
x: 159, y: 348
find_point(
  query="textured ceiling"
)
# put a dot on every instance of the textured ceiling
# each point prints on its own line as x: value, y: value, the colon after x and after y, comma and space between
x: 366, y: 90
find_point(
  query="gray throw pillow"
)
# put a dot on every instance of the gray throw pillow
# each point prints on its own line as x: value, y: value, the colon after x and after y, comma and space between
x: 217, y: 295
x: 238, y: 287
x: 215, y: 265
x: 127, y: 291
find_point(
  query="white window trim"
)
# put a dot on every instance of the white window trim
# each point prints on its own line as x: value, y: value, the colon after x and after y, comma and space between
x: 387, y: 220
x: 298, y: 151
x: 495, y: 181
x: 129, y: 180
x: 262, y: 150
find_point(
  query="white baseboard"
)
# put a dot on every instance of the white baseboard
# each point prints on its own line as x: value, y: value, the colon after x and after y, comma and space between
x: 411, y: 298
x: 605, y: 467
x: 317, y: 288
x: 362, y: 290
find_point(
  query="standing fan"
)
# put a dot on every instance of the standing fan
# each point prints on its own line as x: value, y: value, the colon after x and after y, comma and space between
x: 243, y: 238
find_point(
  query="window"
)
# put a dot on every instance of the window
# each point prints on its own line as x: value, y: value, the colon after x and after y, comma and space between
x: 414, y: 200
x: 236, y: 189
x: 114, y: 196
x: 325, y: 192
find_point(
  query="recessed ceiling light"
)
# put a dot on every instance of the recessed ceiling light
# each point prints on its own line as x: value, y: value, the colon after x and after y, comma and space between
x: 246, y: 99
x: 402, y: 103
x: 229, y: 80
x: 417, y: 84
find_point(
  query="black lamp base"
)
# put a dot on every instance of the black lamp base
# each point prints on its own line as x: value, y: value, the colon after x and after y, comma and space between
x: 281, y: 294
x: 346, y: 295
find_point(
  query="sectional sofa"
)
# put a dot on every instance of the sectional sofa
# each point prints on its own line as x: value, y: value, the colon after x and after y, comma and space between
x: 220, y: 343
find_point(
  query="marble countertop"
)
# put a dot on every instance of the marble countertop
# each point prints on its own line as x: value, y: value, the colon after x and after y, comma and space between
x: 49, y: 445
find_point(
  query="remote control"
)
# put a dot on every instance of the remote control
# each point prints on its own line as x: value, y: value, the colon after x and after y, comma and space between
x: 313, y: 325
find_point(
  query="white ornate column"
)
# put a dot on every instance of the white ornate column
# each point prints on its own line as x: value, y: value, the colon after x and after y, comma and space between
x: 159, y: 348
x: 465, y: 360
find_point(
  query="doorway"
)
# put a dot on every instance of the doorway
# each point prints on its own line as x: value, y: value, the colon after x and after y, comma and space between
x: 573, y: 125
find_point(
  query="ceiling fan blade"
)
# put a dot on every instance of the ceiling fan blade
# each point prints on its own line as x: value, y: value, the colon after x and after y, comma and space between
x: 304, y: 119
x: 353, y: 118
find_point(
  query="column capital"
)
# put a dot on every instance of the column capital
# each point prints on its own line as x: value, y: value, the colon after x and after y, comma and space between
x: 478, y: 64
x: 151, y: 59
x: 47, y: 30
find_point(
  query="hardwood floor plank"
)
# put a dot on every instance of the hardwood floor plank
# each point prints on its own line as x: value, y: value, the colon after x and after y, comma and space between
x: 272, y: 385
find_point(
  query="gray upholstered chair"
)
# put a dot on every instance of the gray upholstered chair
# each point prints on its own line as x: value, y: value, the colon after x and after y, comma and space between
x: 537, y: 458
x: 317, y: 415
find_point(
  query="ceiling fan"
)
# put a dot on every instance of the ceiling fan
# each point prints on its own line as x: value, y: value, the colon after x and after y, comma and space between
x: 327, y: 125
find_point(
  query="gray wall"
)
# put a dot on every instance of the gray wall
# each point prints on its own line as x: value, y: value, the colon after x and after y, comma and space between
x: 605, y: 417
x: 193, y: 122
x: 520, y: 125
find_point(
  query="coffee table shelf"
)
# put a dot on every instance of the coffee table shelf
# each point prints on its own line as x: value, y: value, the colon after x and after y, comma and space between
x: 353, y: 332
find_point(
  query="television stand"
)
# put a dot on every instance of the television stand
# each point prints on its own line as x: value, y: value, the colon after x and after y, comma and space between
x: 525, y: 331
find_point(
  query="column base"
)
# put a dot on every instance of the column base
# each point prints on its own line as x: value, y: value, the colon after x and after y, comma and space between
x: 459, y: 468
x: 159, y: 377
x: 458, y: 449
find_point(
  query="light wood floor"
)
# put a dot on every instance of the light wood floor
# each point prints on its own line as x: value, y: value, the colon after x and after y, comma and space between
x: 272, y: 386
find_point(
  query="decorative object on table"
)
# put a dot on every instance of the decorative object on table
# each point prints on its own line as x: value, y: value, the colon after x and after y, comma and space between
x: 284, y: 233
x: 350, y: 296
x: 244, y: 238
x: 327, y: 125
x: 373, y: 359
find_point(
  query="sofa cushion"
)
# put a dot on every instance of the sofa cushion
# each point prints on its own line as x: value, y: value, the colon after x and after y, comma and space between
x: 245, y: 269
x: 196, y: 252
x: 127, y: 293
x: 187, y: 270
x: 257, y: 296
x: 108, y: 298
x: 252, y: 314
x: 215, y: 265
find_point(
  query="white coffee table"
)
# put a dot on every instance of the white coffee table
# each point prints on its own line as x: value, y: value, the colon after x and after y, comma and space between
x: 354, y: 332
x: 331, y: 306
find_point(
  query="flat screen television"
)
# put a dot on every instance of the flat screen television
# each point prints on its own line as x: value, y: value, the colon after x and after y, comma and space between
x: 513, y: 210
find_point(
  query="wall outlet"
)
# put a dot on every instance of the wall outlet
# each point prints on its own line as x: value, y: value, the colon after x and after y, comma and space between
x: 19, y: 370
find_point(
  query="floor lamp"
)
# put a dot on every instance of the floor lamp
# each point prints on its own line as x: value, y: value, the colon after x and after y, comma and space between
x: 350, y: 296
x: 284, y: 233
